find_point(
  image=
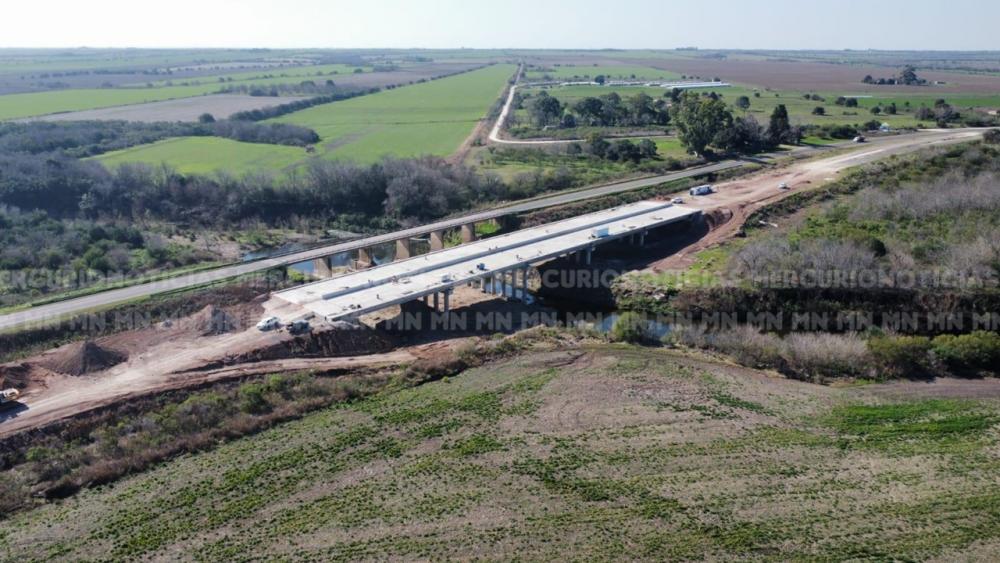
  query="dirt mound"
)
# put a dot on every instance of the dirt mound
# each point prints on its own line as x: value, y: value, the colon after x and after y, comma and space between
x: 211, y: 321
x: 81, y: 358
x: 15, y: 375
x: 718, y: 217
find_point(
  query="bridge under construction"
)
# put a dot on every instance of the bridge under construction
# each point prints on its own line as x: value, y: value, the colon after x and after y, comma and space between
x: 492, y: 264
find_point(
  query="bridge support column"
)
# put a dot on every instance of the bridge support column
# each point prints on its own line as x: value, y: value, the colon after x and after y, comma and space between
x: 524, y: 284
x: 436, y: 299
x: 642, y: 238
x: 437, y: 240
x: 321, y: 267
x: 447, y: 303
x: 469, y: 232
x: 364, y: 258
x: 588, y: 255
x: 404, y: 249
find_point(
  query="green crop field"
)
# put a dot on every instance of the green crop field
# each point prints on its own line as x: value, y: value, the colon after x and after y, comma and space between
x: 201, y: 155
x: 275, y: 75
x: 14, y: 106
x: 430, y: 118
x: 601, y: 453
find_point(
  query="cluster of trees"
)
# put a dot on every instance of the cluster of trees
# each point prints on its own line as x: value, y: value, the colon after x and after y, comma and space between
x: 907, y: 76
x: 304, y: 88
x: 622, y: 150
x: 271, y: 112
x: 403, y: 190
x: 610, y: 110
x: 704, y: 121
x: 37, y: 240
x: 270, y: 133
x: 81, y: 139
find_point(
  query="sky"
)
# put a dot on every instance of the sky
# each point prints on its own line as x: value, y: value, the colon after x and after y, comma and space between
x: 545, y: 24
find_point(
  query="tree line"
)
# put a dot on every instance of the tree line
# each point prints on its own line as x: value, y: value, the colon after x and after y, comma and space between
x: 610, y: 110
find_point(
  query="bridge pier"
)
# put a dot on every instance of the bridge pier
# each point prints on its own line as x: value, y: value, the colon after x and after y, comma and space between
x: 364, y: 259
x: 404, y: 249
x: 524, y: 284
x: 437, y: 240
x: 322, y: 268
x: 469, y: 232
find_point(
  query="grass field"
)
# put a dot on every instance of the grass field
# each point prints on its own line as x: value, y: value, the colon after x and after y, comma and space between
x: 202, y: 155
x: 14, y: 106
x: 430, y: 118
x: 613, y: 454
x: 285, y: 73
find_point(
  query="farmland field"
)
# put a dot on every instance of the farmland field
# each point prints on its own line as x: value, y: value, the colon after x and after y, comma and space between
x: 182, y: 109
x: 609, y: 71
x: 431, y: 118
x: 602, y: 452
x: 799, y: 108
x: 14, y: 106
x: 202, y: 155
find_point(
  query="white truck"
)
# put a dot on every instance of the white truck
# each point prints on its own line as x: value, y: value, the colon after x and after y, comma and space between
x: 705, y: 189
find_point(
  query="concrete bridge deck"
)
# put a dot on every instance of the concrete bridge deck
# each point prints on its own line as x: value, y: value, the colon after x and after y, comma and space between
x: 371, y: 290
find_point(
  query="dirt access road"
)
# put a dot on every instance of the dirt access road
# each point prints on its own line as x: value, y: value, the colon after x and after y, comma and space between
x: 734, y: 201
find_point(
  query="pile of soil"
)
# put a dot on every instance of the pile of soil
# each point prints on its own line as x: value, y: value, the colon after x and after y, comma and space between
x: 81, y: 358
x: 15, y: 375
x: 212, y: 321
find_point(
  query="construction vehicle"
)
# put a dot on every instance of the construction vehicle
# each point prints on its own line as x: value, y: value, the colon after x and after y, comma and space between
x: 706, y: 189
x: 9, y: 396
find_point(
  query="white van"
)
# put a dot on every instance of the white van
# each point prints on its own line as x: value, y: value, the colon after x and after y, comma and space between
x: 268, y: 323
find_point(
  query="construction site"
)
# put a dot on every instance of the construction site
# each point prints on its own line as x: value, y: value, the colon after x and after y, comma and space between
x: 398, y: 312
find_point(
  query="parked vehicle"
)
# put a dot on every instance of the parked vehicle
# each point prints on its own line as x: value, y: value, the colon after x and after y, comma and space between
x: 9, y: 395
x: 269, y: 323
x: 783, y: 186
x: 859, y: 139
x: 298, y: 326
x: 677, y: 200
x: 702, y: 190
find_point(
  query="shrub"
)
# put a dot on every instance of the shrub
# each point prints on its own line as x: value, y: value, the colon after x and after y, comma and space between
x: 992, y: 136
x: 816, y: 356
x: 900, y: 355
x: 630, y: 327
x: 977, y: 350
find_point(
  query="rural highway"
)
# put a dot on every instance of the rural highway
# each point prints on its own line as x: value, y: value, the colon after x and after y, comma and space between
x: 877, y: 149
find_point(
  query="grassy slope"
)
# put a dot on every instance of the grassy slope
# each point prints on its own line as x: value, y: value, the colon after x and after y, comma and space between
x: 624, y: 453
x: 202, y: 155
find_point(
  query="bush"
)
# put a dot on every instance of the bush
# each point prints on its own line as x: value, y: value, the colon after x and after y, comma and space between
x: 900, y: 355
x: 816, y: 356
x: 630, y: 327
x: 992, y: 136
x: 978, y: 350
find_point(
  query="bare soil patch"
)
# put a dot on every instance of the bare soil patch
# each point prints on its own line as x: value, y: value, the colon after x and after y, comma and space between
x: 811, y: 77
